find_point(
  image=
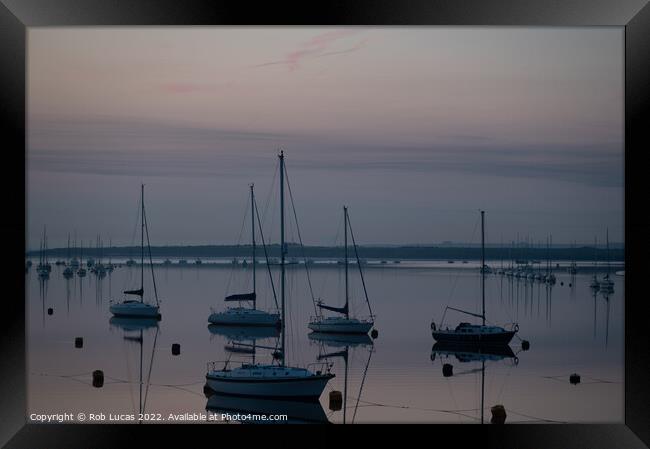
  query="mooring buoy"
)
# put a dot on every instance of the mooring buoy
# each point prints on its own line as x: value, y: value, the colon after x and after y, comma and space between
x: 336, y: 401
x: 498, y: 414
x: 98, y: 378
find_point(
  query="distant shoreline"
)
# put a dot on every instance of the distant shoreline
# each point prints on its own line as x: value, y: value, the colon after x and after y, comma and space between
x: 365, y: 252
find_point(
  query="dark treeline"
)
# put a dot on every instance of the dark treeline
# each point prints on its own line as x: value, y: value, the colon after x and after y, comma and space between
x: 365, y: 252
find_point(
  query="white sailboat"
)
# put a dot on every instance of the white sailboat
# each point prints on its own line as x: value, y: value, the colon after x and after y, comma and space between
x: 139, y: 308
x: 247, y: 316
x: 343, y: 323
x: 275, y: 379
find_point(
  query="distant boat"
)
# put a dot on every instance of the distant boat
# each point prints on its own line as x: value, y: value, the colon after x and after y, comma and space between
x: 68, y: 272
x: 550, y: 277
x: 344, y: 323
x: 81, y: 272
x: 139, y: 308
x: 606, y: 283
x: 44, y: 268
x: 198, y: 262
x: 167, y: 262
x: 595, y: 284
x: 475, y: 333
x: 275, y: 379
x: 247, y: 315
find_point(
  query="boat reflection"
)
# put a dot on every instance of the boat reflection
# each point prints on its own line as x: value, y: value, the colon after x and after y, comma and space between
x: 341, y: 340
x: 134, y: 331
x: 474, y: 353
x: 239, y: 333
x: 345, y: 341
x: 133, y: 324
x: 266, y: 409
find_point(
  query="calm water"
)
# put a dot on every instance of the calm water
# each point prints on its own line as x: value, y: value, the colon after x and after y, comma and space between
x: 569, y: 329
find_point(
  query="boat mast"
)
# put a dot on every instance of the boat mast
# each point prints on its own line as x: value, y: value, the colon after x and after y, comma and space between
x: 483, y: 263
x: 607, y: 239
x: 142, y: 243
x: 345, y: 226
x: 282, y: 250
x: 253, y: 238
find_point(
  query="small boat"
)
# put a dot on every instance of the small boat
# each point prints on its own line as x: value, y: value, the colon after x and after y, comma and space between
x: 467, y: 333
x: 344, y: 323
x: 251, y: 316
x: 81, y: 272
x: 44, y: 267
x: 607, y: 283
x: 595, y: 283
x: 139, y: 308
x: 276, y: 379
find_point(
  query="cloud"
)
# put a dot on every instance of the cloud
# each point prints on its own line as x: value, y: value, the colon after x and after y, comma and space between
x: 317, y: 47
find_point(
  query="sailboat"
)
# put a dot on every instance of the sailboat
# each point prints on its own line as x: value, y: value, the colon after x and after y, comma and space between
x: 139, y: 308
x: 595, y: 284
x: 110, y: 267
x: 606, y: 283
x: 81, y: 272
x: 68, y: 272
x: 478, y: 334
x: 550, y: 277
x: 344, y: 323
x: 275, y: 379
x: 247, y: 316
x: 44, y: 268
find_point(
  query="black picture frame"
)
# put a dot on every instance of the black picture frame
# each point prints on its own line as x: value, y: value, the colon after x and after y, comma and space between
x: 17, y: 15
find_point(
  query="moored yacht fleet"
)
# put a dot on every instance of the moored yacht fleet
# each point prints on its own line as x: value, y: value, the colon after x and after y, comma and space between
x: 280, y: 377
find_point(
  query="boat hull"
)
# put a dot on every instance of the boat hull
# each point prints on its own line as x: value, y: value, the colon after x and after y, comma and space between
x: 496, y: 338
x: 309, y: 387
x: 341, y: 326
x: 135, y: 310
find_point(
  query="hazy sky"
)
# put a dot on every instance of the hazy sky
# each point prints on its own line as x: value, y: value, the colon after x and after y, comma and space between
x: 415, y: 129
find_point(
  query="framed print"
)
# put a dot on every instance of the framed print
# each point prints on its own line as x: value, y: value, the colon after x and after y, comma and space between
x: 366, y: 213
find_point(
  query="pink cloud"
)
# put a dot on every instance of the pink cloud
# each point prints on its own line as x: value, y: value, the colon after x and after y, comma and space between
x: 316, y: 47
